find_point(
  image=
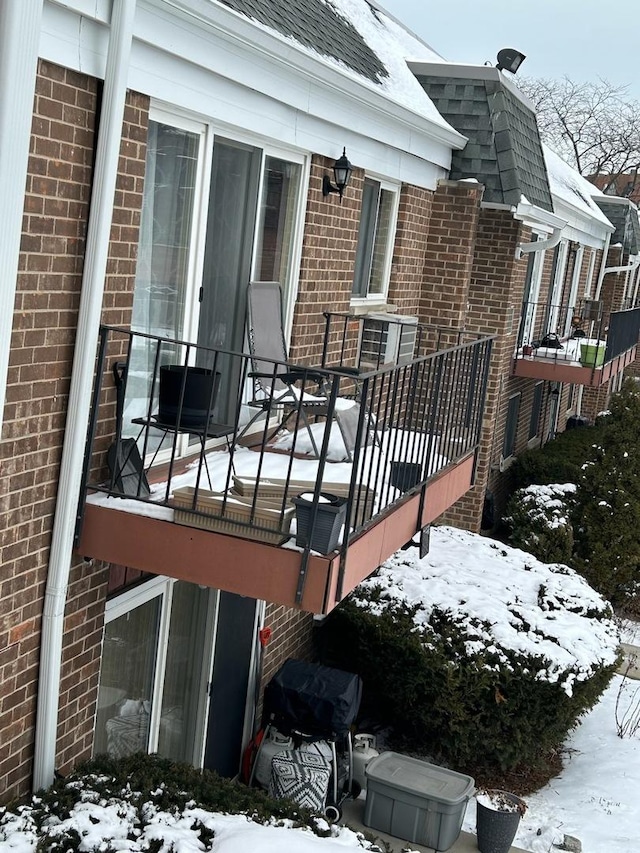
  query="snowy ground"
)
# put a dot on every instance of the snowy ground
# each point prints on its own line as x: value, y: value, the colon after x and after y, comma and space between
x: 596, y: 797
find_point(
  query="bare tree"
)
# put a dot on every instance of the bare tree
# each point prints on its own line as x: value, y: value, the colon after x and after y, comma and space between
x: 593, y: 126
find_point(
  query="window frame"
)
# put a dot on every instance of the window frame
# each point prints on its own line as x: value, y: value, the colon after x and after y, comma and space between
x: 536, y: 412
x: 361, y: 293
x: 511, y: 425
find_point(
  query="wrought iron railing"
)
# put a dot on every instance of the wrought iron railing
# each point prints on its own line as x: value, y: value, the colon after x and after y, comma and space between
x: 379, y: 434
x: 558, y: 332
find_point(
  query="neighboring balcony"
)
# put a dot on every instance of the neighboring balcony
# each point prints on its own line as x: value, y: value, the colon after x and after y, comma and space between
x: 204, y: 491
x: 593, y: 349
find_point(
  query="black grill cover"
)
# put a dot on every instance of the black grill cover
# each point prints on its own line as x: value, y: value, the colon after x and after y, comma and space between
x: 313, y: 699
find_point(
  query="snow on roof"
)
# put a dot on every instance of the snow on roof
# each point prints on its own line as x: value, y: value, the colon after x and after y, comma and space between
x: 393, y: 44
x: 568, y: 184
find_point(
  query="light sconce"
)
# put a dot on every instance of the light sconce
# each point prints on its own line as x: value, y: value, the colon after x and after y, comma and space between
x: 509, y: 59
x: 342, y: 170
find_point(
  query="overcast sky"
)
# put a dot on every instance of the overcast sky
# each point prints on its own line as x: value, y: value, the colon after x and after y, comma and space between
x: 580, y: 39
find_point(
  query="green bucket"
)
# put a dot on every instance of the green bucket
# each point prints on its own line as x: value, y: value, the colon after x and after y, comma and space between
x: 592, y: 355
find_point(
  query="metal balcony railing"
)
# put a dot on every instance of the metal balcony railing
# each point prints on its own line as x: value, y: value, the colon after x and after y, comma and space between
x: 557, y: 333
x: 369, y: 427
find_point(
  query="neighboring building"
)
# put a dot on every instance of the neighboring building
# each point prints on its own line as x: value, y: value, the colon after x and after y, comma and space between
x: 176, y: 151
x: 624, y: 185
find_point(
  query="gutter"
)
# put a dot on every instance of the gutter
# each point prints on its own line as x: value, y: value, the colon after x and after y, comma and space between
x: 20, y: 25
x: 632, y: 265
x: 95, y: 265
x: 531, y: 214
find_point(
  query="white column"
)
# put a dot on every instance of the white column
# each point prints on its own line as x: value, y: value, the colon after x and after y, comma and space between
x: 95, y: 267
x: 19, y: 41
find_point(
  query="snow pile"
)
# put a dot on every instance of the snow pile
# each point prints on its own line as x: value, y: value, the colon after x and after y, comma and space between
x: 505, y: 603
x: 118, y: 824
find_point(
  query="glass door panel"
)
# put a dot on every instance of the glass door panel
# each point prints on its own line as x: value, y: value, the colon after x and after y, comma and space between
x: 164, y: 255
x: 178, y: 735
x: 235, y: 172
x: 127, y: 678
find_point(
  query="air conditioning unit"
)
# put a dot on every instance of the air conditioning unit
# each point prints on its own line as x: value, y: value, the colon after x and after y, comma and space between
x: 387, y: 339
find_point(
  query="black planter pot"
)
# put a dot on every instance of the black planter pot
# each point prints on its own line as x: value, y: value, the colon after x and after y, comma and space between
x: 497, y: 829
x: 200, y: 391
x: 405, y: 475
x: 330, y: 516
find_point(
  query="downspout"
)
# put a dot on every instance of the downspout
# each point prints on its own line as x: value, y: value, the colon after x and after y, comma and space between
x: 632, y: 265
x: 539, y: 245
x: 603, y: 265
x: 95, y: 265
x: 20, y: 25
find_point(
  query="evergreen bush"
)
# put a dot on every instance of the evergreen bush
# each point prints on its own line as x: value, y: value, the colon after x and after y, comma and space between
x: 559, y: 460
x: 145, y: 785
x: 606, y: 512
x: 538, y: 520
x: 446, y: 682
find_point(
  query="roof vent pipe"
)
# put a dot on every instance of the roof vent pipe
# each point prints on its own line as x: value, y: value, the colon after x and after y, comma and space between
x: 539, y: 245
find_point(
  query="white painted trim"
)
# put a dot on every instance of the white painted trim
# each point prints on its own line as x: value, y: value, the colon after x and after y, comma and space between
x: 573, y: 292
x: 69, y: 482
x: 241, y: 73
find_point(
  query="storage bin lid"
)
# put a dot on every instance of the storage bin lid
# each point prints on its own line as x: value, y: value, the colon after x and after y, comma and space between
x: 419, y: 777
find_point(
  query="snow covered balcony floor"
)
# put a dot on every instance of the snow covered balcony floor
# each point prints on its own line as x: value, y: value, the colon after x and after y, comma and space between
x: 213, y: 505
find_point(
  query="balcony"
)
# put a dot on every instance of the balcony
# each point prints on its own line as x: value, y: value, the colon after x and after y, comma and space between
x: 210, y: 501
x: 595, y: 348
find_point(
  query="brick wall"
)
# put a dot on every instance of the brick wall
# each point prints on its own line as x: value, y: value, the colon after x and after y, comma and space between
x: 327, y: 262
x: 495, y: 299
x: 45, y: 316
x: 407, y: 270
x: 292, y: 637
x: 449, y: 253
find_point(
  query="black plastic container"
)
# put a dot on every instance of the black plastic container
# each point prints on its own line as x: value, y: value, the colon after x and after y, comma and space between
x: 405, y: 475
x: 200, y: 391
x: 330, y: 516
x: 497, y: 829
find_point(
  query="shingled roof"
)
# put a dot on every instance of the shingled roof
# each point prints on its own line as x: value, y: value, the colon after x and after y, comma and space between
x: 504, y: 151
x: 622, y: 214
x: 317, y: 25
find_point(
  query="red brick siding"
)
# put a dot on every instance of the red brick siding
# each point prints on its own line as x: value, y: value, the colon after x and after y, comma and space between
x: 44, y: 328
x: 291, y: 637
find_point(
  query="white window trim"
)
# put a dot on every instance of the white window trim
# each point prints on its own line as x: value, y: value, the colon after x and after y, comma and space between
x: 531, y: 310
x: 590, y: 272
x: 573, y: 293
x: 556, y: 290
x: 162, y: 587
x: 382, y: 298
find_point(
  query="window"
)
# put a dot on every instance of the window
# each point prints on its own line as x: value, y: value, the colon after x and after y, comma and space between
x: 511, y: 427
x: 535, y: 263
x: 154, y: 670
x: 571, y: 397
x: 536, y: 410
x: 375, y: 240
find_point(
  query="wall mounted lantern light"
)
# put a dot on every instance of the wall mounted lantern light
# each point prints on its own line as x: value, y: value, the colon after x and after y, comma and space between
x: 342, y: 170
x: 509, y: 59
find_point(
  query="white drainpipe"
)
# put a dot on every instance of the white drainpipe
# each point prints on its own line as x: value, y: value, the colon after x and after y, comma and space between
x: 95, y: 265
x: 632, y: 265
x: 539, y: 245
x: 19, y: 43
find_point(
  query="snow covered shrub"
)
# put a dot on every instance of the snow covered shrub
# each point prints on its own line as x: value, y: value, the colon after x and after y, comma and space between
x: 478, y: 655
x: 538, y: 521
x: 606, y: 514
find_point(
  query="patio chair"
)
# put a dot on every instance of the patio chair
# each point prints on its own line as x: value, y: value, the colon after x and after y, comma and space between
x: 276, y: 383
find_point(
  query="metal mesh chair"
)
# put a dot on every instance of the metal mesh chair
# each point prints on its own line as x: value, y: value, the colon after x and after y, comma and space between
x: 278, y: 384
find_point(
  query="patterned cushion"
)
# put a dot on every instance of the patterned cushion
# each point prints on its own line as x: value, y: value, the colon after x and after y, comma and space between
x: 300, y: 776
